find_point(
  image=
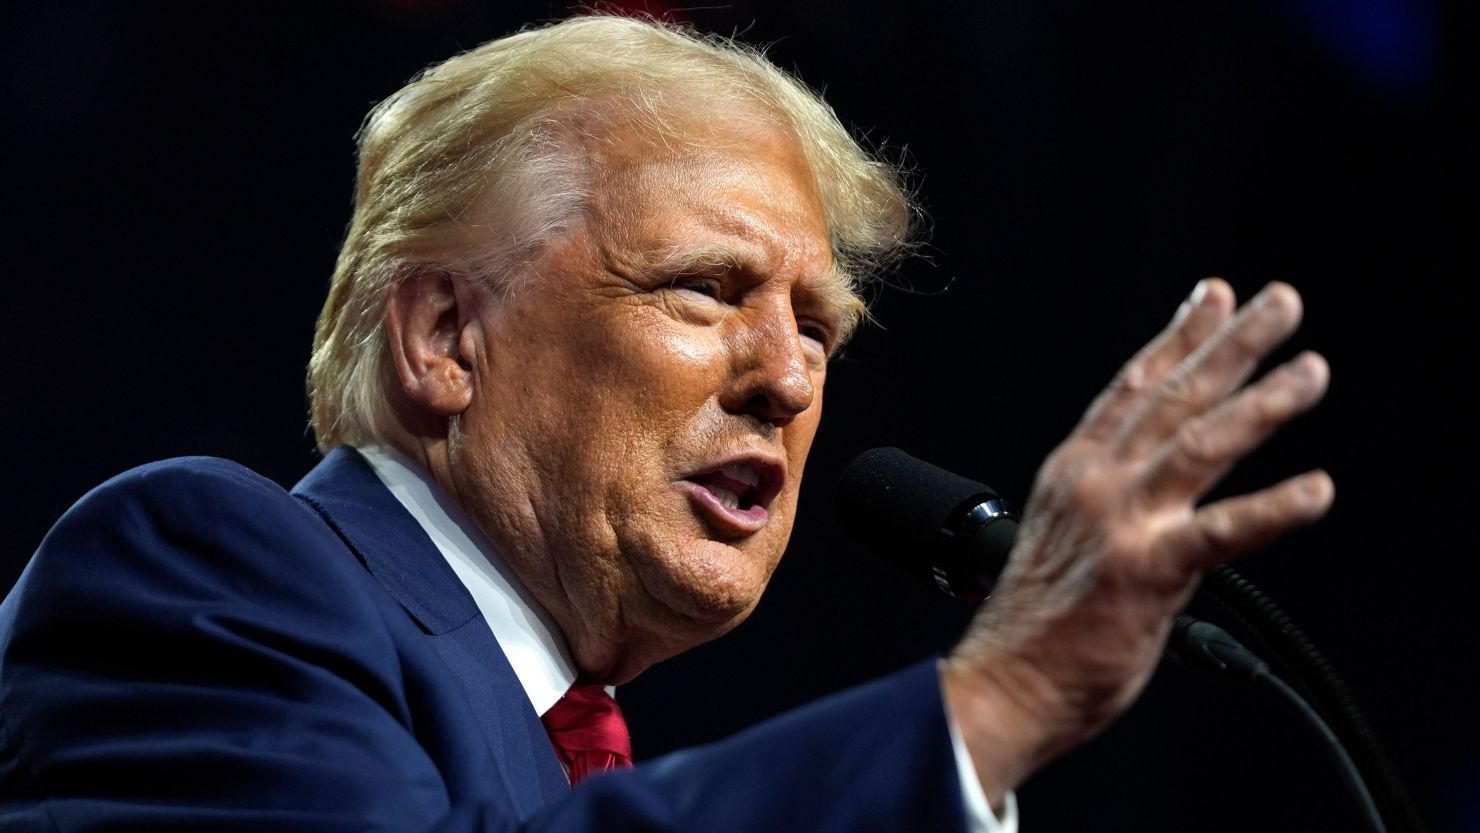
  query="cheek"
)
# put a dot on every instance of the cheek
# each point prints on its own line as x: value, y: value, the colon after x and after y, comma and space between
x: 671, y: 370
x: 622, y: 400
x: 650, y: 392
x: 623, y: 368
x: 683, y: 347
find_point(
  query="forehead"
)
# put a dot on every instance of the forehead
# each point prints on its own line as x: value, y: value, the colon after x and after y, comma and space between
x: 732, y: 189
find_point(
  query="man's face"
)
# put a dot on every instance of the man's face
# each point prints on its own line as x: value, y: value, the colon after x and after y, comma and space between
x: 644, y: 405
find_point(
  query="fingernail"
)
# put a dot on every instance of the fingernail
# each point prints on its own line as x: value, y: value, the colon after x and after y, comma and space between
x: 1199, y: 293
x: 1313, y: 485
x: 1265, y: 296
x: 1304, y: 366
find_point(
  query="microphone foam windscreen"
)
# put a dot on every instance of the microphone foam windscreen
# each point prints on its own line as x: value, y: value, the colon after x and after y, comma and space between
x: 896, y: 505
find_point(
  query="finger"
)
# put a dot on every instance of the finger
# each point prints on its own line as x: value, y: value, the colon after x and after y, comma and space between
x: 1196, y: 320
x: 1219, y: 531
x: 1215, y: 369
x: 1203, y: 448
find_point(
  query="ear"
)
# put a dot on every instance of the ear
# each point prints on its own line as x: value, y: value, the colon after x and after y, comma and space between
x: 426, y: 314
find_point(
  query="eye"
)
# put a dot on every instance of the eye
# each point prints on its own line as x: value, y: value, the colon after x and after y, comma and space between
x: 707, y: 287
x: 816, y: 333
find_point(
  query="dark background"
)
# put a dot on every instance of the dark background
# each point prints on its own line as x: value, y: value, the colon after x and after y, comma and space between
x: 178, y: 180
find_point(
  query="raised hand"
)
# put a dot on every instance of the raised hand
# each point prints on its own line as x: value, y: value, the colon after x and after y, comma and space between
x: 1113, y: 540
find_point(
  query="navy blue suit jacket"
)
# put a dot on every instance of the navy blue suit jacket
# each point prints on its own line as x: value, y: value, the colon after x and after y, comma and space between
x: 193, y: 648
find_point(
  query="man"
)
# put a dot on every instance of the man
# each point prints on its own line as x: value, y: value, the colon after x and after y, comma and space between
x: 566, y: 380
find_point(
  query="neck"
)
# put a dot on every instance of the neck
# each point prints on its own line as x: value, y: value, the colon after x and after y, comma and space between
x: 594, y: 641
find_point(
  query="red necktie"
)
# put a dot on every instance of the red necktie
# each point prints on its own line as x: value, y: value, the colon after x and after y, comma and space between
x: 588, y: 732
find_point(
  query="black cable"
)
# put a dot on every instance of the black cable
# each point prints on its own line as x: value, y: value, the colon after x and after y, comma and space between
x: 1305, y: 669
x: 1350, y: 775
x: 1203, y: 646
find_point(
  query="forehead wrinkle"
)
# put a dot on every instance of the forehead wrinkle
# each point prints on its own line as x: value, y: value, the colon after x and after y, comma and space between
x: 758, y: 239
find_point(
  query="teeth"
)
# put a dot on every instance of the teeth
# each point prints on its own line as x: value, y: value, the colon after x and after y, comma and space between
x: 744, y: 474
x: 727, y: 497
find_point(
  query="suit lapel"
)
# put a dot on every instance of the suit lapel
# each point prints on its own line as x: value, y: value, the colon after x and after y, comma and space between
x: 387, y: 540
x: 397, y: 552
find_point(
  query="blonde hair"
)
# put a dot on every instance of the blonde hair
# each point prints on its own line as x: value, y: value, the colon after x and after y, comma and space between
x: 490, y: 126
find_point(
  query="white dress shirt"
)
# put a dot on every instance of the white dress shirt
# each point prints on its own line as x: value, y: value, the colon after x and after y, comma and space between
x: 526, y: 633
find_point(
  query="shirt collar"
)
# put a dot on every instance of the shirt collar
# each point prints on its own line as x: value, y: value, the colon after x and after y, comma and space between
x: 526, y: 633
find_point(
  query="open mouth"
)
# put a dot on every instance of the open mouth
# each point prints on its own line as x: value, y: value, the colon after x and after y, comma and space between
x: 736, y: 495
x: 734, y: 485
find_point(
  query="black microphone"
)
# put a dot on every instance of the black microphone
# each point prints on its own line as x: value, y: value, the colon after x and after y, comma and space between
x: 929, y: 521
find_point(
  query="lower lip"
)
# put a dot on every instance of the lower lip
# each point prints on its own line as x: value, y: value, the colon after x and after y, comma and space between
x: 734, y: 521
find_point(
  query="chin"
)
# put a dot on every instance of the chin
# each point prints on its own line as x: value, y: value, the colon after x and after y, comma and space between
x: 675, y: 618
x: 708, y: 587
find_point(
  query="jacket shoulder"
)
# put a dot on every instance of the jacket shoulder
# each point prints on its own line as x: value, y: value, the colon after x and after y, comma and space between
x: 180, y: 477
x: 203, y: 495
x: 194, y: 527
x: 192, y: 642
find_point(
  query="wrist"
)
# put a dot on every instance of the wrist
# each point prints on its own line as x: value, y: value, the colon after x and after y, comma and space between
x: 1011, y: 722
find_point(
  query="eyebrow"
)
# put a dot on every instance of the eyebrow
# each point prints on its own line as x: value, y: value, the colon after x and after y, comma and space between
x: 833, y: 286
x: 679, y: 260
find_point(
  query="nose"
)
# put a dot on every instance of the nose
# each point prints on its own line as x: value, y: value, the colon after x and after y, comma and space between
x: 769, y: 378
